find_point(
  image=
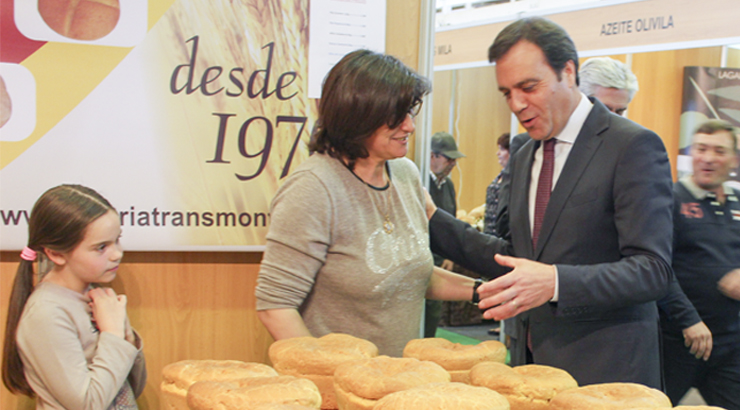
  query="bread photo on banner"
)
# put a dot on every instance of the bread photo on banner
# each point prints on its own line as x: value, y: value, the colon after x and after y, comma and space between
x: 6, y: 104
x: 80, y: 19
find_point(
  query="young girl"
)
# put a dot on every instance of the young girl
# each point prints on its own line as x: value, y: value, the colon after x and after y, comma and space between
x: 67, y: 343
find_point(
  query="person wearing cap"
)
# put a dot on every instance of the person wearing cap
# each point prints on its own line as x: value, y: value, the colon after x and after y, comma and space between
x: 443, y: 159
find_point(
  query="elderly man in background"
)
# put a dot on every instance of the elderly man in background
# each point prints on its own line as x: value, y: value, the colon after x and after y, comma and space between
x: 706, y: 261
x: 610, y: 81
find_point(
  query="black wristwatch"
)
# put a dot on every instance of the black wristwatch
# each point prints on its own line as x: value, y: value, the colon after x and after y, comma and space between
x: 476, y: 298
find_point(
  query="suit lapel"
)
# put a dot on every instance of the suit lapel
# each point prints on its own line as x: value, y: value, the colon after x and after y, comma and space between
x: 583, y: 150
x: 521, y: 233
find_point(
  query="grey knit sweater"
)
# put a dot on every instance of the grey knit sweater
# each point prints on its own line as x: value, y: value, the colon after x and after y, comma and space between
x: 329, y: 256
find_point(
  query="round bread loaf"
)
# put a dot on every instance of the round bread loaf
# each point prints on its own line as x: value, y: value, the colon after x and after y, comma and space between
x: 528, y: 387
x: 80, y: 19
x: 179, y: 376
x: 456, y: 358
x: 699, y: 408
x: 274, y: 406
x: 610, y: 396
x: 6, y: 104
x: 361, y: 383
x: 444, y: 396
x: 246, y: 393
x: 682, y: 408
x: 311, y: 355
x: 317, y: 358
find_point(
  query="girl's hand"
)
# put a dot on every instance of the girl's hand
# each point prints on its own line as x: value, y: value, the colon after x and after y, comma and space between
x: 109, y: 311
x: 130, y: 337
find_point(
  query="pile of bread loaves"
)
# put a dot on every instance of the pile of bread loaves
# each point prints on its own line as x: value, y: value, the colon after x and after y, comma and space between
x: 343, y: 372
x: 474, y: 217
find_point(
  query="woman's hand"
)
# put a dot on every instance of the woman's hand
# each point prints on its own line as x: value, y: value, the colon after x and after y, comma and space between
x: 109, y: 311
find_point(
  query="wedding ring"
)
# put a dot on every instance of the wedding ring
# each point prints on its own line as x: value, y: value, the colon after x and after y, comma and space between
x: 513, y: 302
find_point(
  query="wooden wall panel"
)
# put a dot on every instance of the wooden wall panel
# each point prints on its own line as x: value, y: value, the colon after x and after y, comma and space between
x: 733, y: 58
x: 201, y: 305
x: 657, y: 105
x: 8, y: 266
x: 441, y: 96
x: 481, y: 117
x: 620, y: 57
x: 403, y: 27
x: 402, y: 30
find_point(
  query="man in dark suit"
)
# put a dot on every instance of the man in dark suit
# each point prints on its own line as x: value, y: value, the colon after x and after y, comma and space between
x: 584, y: 267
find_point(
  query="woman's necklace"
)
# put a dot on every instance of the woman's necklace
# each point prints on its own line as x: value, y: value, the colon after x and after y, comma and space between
x: 387, y: 224
x: 385, y: 213
x: 385, y: 192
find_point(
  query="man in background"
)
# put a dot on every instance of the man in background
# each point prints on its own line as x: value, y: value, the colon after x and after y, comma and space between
x: 610, y: 81
x: 735, y: 180
x: 706, y: 261
x: 443, y: 159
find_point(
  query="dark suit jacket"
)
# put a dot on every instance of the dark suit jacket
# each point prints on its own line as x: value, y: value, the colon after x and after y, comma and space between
x: 608, y: 229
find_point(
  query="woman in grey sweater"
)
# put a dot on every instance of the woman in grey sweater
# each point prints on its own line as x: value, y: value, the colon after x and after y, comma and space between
x: 348, y: 246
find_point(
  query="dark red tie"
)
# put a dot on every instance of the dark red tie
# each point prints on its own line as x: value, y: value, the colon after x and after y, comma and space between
x: 544, y: 187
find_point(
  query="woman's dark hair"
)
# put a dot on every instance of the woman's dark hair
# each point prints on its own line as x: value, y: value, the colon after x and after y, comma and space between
x: 58, y: 222
x: 504, y: 140
x: 364, y: 91
x: 552, y: 39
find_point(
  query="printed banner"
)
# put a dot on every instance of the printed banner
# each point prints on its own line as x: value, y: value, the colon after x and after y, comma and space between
x: 708, y: 93
x: 186, y: 114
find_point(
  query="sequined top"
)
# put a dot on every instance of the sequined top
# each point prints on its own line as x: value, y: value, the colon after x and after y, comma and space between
x: 329, y: 256
x: 492, y: 197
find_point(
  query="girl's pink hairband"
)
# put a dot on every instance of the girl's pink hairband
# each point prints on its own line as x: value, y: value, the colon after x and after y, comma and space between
x: 28, y: 254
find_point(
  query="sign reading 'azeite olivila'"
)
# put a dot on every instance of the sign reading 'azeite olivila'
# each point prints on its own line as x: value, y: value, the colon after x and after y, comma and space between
x: 606, y: 30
